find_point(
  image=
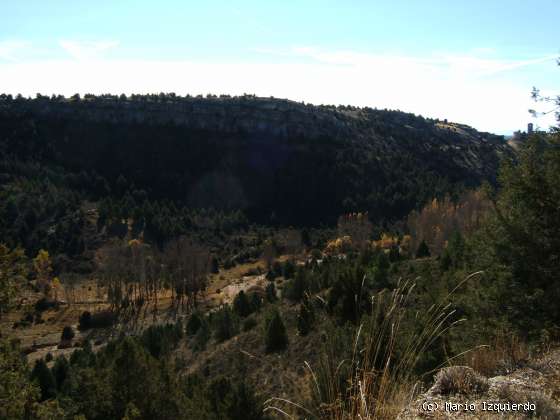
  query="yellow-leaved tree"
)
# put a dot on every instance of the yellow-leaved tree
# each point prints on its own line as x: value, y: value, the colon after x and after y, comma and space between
x: 42, y: 266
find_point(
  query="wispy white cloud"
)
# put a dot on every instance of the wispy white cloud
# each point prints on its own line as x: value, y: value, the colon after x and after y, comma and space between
x: 464, y: 88
x: 477, y: 67
x: 9, y: 50
x: 80, y: 50
x: 467, y: 64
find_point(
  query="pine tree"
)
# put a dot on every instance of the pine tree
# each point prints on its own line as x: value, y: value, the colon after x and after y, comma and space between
x: 256, y: 302
x: 60, y: 371
x: 271, y: 292
x: 525, y: 233
x: 194, y: 323
x: 225, y: 324
x: 134, y: 377
x: 17, y: 393
x: 305, y: 318
x: 244, y: 404
x: 241, y: 305
x: 276, y: 338
x: 42, y: 374
x: 214, y: 265
x: 445, y: 260
x: 288, y: 269
x: 423, y: 250
x: 67, y: 333
x: 298, y: 286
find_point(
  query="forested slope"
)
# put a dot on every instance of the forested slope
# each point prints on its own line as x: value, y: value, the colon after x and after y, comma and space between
x: 279, y: 161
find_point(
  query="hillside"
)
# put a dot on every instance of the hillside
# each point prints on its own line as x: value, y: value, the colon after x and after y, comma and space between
x: 146, y: 250
x: 278, y: 161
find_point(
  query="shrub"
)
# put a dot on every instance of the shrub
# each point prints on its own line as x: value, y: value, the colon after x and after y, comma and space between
x: 100, y: 319
x: 224, y: 323
x: 214, y: 265
x: 459, y: 380
x: 276, y: 338
x: 297, y: 287
x: 253, y: 271
x: 84, y: 321
x: 67, y: 333
x: 159, y: 340
x: 545, y: 406
x: 229, y: 263
x: 235, y: 400
x: 44, y: 304
x: 202, y: 336
x: 194, y: 323
x: 249, y: 324
x: 39, y: 318
x: 316, y: 254
x: 289, y: 269
x: 275, y: 271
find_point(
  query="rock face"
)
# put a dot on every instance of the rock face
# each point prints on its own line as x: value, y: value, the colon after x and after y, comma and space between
x: 276, y: 117
x: 532, y: 391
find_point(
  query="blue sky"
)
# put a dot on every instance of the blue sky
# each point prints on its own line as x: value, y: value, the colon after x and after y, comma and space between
x: 468, y: 61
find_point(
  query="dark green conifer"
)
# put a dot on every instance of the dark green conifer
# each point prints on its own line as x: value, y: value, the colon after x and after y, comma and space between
x: 241, y: 304
x: 42, y: 374
x: 305, y: 318
x: 276, y: 338
x: 423, y: 250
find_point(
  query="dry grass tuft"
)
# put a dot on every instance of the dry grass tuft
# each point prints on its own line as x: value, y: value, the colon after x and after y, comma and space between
x: 376, y: 382
x: 503, y: 356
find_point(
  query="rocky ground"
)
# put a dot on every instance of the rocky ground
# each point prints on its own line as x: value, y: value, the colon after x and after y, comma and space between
x: 531, y: 391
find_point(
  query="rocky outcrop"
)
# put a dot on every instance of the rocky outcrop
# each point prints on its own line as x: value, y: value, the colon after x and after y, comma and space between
x: 280, y: 117
x: 229, y: 115
x: 532, y: 391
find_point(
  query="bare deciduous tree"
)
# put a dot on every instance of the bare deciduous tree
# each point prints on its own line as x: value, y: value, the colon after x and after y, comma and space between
x: 357, y: 226
x: 186, y: 266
